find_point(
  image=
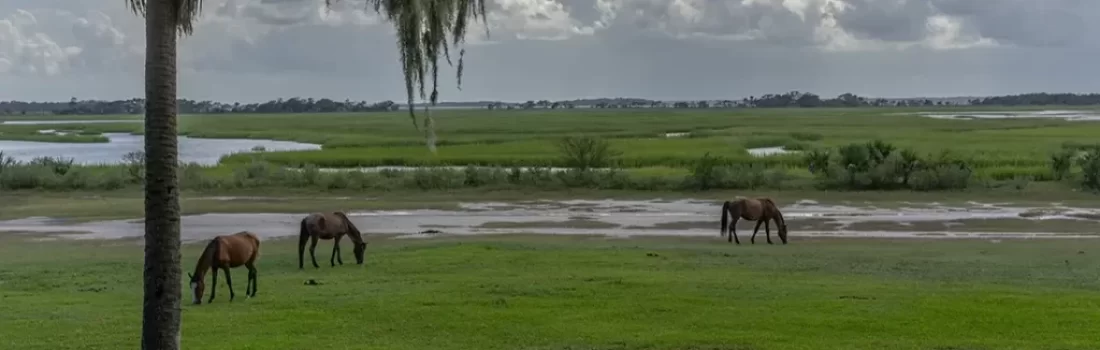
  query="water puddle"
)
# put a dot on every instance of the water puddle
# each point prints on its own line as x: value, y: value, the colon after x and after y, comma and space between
x: 1050, y: 114
x: 769, y: 151
x: 624, y: 218
x: 192, y: 150
x: 51, y: 122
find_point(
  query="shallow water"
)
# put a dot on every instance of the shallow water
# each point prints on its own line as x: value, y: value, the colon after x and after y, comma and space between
x: 196, y: 150
x: 90, y: 121
x: 769, y: 151
x: 606, y: 217
x: 1055, y: 114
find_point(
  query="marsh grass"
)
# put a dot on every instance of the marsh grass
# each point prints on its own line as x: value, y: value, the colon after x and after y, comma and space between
x: 995, y: 150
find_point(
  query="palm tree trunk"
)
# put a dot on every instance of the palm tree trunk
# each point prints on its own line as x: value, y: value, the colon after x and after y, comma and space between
x: 161, y: 308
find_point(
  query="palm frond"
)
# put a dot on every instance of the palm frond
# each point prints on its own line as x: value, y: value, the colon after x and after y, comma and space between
x: 186, y: 12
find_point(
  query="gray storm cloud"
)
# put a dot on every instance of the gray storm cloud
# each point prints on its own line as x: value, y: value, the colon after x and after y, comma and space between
x: 614, y: 37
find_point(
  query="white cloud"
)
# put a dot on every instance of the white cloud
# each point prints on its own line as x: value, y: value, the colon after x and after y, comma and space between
x: 24, y: 48
x: 535, y: 19
x: 251, y: 47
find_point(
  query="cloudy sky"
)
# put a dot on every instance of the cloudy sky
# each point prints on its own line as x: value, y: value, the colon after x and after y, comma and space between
x: 253, y: 50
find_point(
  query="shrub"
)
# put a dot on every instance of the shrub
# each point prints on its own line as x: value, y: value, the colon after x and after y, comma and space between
x: 878, y: 165
x: 584, y: 153
x: 478, y: 177
x: 712, y: 173
x: 435, y: 179
x: 58, y: 165
x: 5, y: 161
x: 1090, y: 168
x: 941, y: 177
x: 135, y: 165
x: 21, y: 177
x: 817, y: 161
x: 1061, y: 162
x: 706, y: 174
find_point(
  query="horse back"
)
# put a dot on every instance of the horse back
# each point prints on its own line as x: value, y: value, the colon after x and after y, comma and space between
x: 326, y: 225
x: 752, y: 209
x: 237, y: 249
x: 769, y: 207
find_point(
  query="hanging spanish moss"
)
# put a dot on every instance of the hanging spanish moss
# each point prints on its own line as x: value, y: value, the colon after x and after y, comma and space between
x: 423, y: 29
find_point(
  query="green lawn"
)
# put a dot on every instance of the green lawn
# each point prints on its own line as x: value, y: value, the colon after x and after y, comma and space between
x: 522, y: 292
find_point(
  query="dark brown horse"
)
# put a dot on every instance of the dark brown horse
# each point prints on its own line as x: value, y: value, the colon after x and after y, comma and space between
x: 762, y: 210
x: 332, y: 225
x: 225, y: 252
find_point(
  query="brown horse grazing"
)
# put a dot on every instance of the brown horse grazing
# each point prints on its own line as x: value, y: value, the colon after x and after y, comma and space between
x: 332, y: 225
x: 760, y: 210
x: 225, y: 252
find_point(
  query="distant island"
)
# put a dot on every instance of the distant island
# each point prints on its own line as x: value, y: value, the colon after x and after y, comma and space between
x: 793, y: 99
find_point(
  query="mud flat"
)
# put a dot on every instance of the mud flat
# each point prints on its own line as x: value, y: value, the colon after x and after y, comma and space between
x: 624, y: 218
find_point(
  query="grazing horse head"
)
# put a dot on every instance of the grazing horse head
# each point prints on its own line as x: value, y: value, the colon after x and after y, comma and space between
x: 356, y: 237
x: 197, y: 288
x: 359, y: 249
x: 783, y: 231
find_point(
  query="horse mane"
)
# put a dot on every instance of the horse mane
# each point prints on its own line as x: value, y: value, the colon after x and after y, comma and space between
x: 775, y: 209
x: 208, y: 256
x: 355, y: 234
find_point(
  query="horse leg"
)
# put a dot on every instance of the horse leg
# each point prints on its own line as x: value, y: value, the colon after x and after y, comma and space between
x: 336, y: 252
x: 755, y: 230
x: 733, y: 233
x: 313, y: 248
x: 229, y: 281
x: 250, y: 290
x: 302, y: 249
x: 767, y: 231
x: 213, y: 283
x: 339, y: 254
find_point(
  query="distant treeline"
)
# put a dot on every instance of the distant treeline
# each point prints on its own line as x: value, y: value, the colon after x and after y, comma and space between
x: 324, y: 105
x: 137, y: 106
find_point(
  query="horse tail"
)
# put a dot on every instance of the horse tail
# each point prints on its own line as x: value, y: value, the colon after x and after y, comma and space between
x: 303, y: 236
x: 725, y: 217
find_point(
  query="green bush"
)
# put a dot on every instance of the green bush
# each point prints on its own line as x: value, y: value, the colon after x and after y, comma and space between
x: 1090, y: 168
x: 58, y: 165
x: 585, y: 152
x: 135, y: 165
x: 712, y: 173
x: 878, y: 165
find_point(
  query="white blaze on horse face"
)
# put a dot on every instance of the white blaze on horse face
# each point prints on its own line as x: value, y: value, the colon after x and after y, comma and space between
x: 195, y: 292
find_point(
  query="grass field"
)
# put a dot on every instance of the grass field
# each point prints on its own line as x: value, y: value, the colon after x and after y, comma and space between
x: 522, y: 292
x: 576, y: 292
